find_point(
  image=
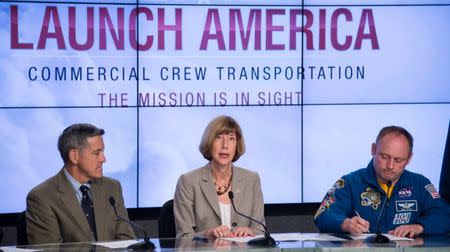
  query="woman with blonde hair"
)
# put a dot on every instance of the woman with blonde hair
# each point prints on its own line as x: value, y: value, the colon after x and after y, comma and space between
x: 202, y: 206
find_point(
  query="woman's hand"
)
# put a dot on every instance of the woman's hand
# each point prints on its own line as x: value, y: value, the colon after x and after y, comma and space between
x: 243, y: 231
x: 218, y: 232
x: 221, y: 244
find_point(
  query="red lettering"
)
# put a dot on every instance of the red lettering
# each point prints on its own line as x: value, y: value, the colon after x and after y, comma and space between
x: 212, y: 15
x: 270, y: 28
x: 334, y: 36
x: 162, y: 27
x: 73, y: 28
x: 305, y: 29
x: 119, y: 37
x: 133, y: 36
x: 243, y: 28
x: 254, y: 16
x: 15, y: 44
x: 372, y: 35
x: 322, y: 28
x: 51, y: 13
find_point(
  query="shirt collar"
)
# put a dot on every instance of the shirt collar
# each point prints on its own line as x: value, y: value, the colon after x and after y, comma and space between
x: 75, y: 184
x: 371, y: 178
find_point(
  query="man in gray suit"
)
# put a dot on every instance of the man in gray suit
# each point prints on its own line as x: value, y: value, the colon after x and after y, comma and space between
x: 73, y: 205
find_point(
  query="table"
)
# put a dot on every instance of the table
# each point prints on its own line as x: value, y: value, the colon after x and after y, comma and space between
x: 426, y: 243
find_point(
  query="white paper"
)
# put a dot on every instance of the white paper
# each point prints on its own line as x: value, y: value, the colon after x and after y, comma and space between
x: 11, y: 249
x: 290, y: 237
x: 391, y: 237
x: 305, y: 237
x: 242, y: 239
x: 116, y: 244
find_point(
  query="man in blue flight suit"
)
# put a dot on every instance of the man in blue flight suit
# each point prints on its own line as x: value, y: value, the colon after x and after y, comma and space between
x: 412, y: 205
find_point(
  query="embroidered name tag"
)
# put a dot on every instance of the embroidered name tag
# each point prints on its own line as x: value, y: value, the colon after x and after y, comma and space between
x: 406, y: 205
x: 401, y: 218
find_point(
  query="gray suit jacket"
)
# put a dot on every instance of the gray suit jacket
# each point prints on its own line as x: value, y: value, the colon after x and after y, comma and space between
x: 54, y: 214
x: 196, y: 205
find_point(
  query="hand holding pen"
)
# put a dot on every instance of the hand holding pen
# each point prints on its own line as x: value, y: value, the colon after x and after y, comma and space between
x: 363, y: 222
x: 355, y: 225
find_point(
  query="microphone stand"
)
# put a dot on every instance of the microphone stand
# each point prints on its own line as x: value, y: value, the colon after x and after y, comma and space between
x: 267, y: 240
x: 146, y: 244
x: 378, y: 237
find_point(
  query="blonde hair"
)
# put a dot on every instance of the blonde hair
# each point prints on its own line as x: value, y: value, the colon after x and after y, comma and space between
x: 221, y: 125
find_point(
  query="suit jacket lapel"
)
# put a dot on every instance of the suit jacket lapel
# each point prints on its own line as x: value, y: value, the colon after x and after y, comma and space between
x: 209, y: 191
x: 236, y: 187
x: 100, y: 205
x: 72, y: 204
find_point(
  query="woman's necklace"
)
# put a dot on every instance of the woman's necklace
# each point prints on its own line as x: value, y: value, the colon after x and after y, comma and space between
x: 219, y: 189
x: 224, y: 188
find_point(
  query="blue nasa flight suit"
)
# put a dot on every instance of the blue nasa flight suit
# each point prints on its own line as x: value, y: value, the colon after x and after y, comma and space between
x: 414, y: 200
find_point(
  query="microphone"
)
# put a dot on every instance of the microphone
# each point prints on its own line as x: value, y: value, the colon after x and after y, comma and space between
x: 378, y: 237
x: 267, y: 240
x: 146, y: 244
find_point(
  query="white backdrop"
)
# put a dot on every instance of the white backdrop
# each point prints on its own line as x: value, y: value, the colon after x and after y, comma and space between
x: 312, y: 130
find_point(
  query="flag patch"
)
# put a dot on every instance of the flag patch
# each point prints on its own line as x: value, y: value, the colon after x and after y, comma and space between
x: 430, y: 188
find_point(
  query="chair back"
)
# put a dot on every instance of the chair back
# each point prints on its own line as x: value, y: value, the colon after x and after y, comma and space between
x: 21, y: 227
x: 166, y: 221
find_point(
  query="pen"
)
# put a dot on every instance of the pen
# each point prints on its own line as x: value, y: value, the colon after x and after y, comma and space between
x: 197, y: 238
x: 367, y: 229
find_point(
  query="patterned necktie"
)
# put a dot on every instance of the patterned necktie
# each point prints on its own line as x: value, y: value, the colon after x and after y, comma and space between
x: 88, y: 209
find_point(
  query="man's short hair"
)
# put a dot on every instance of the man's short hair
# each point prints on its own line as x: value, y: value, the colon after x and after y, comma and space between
x: 397, y: 130
x: 75, y: 137
x: 221, y: 125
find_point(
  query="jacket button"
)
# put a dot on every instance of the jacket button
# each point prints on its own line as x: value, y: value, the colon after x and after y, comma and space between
x: 234, y: 224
